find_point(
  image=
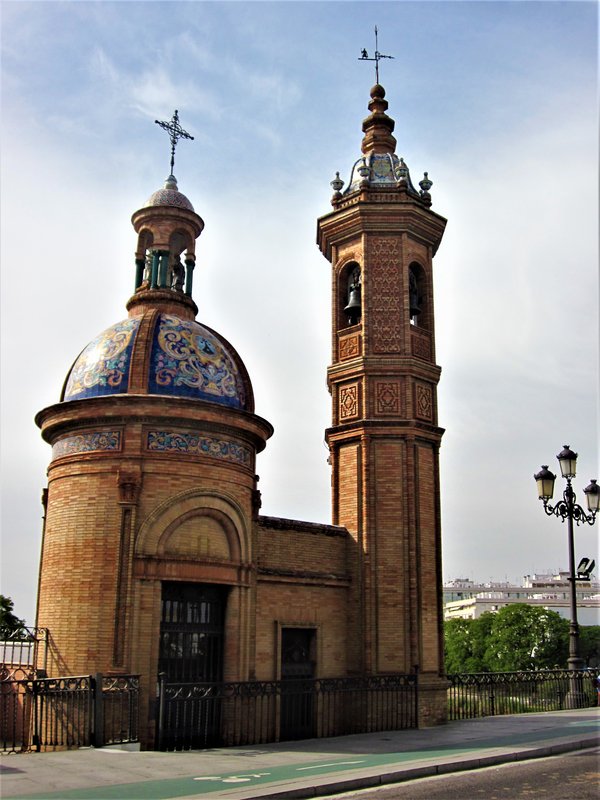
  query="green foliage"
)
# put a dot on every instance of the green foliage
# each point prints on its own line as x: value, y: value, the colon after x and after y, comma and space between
x: 518, y: 637
x: 10, y: 625
x: 457, y: 645
x: 466, y: 642
x: 589, y: 645
x: 527, y: 637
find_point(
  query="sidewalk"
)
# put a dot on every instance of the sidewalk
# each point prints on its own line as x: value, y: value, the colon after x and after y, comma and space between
x: 308, y: 768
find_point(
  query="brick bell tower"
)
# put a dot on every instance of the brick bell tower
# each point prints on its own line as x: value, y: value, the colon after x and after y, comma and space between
x: 384, y: 440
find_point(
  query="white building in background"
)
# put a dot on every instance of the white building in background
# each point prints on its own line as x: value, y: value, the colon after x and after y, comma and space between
x: 466, y: 599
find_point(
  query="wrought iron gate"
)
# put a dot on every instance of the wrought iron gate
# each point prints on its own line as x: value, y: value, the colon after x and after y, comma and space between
x: 297, y: 684
x: 75, y: 711
x: 191, y: 652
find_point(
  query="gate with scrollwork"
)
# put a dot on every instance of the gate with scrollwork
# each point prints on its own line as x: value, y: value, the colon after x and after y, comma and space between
x: 58, y: 713
x: 250, y: 712
x: 191, y: 652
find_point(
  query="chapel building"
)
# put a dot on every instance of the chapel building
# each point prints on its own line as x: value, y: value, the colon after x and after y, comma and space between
x: 155, y: 557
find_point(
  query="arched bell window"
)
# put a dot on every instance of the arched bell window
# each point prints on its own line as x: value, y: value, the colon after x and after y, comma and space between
x: 143, y: 259
x: 417, y: 296
x: 176, y: 276
x: 350, y: 295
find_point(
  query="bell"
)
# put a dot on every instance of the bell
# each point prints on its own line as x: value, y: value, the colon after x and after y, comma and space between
x: 414, y: 297
x: 415, y: 305
x: 352, y: 310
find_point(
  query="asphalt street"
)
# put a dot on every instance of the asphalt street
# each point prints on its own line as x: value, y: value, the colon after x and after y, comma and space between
x: 574, y: 776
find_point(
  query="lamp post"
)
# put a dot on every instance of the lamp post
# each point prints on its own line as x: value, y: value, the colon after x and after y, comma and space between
x: 568, y: 509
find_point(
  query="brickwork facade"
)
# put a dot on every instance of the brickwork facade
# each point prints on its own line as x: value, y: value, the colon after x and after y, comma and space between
x: 152, y: 487
x: 384, y: 439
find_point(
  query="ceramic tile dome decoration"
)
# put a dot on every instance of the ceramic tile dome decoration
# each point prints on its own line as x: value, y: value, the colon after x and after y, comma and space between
x: 169, y: 197
x: 103, y: 367
x: 189, y: 360
x: 381, y: 169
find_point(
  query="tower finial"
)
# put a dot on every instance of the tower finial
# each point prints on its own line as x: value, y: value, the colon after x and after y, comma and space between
x: 364, y: 56
x: 175, y: 132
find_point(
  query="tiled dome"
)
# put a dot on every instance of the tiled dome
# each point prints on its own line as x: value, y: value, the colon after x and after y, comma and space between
x: 185, y: 359
x: 169, y: 195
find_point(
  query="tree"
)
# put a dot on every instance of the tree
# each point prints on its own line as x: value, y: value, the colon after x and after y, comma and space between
x: 466, y: 641
x: 524, y: 637
x: 589, y: 645
x: 10, y: 625
x: 457, y: 645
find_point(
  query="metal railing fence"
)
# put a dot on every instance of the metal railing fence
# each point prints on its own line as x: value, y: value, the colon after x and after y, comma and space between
x: 78, y: 711
x: 26, y: 649
x: 200, y: 715
x: 487, y: 694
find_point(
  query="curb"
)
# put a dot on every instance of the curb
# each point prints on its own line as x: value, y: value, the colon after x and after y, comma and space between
x: 400, y: 776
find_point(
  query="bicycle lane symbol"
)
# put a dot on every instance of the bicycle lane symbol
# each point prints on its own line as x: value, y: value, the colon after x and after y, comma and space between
x: 250, y: 776
x: 233, y: 778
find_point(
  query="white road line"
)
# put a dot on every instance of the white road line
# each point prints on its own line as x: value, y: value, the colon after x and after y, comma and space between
x: 333, y: 764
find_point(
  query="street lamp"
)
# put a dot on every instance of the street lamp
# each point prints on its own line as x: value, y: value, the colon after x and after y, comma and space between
x: 568, y: 509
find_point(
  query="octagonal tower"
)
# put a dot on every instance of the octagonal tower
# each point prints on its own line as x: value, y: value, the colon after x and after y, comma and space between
x: 384, y: 440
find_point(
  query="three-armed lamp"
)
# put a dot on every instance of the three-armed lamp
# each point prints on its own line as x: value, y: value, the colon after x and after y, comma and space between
x: 568, y: 509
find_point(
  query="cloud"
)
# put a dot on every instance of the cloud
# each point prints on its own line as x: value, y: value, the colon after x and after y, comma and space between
x: 509, y: 139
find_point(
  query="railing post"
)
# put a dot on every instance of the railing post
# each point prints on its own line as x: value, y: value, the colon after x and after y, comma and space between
x: 162, y: 680
x: 36, y: 739
x: 97, y: 736
x: 416, y: 706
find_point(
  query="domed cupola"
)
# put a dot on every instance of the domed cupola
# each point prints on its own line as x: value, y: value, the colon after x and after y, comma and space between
x: 161, y: 349
x: 167, y: 227
x: 169, y: 195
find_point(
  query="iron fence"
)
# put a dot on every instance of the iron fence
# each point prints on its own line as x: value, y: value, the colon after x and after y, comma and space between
x: 25, y: 651
x: 57, y: 713
x: 200, y: 715
x: 486, y: 694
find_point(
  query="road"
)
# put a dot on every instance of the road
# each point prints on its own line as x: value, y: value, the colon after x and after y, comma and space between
x: 574, y: 776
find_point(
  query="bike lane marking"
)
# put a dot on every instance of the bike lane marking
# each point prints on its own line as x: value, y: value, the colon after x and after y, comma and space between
x: 189, y: 786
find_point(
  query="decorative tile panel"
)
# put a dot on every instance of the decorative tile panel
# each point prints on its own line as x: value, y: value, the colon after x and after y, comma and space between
x: 424, y: 401
x: 387, y: 397
x: 189, y: 360
x: 194, y: 444
x: 349, y: 346
x: 92, y: 441
x: 348, y: 401
x: 103, y: 367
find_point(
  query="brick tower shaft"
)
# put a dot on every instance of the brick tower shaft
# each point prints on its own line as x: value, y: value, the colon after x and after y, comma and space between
x: 384, y: 439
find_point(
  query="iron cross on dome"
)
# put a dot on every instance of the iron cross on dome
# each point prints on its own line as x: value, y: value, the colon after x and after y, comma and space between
x: 176, y: 132
x: 364, y: 56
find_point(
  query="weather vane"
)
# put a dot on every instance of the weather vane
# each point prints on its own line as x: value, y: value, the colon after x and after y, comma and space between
x: 175, y: 132
x: 364, y: 56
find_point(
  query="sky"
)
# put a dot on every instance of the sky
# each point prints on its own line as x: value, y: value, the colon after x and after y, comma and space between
x: 496, y: 100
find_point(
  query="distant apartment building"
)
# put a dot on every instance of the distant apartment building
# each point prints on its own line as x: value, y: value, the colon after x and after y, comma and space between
x: 467, y: 599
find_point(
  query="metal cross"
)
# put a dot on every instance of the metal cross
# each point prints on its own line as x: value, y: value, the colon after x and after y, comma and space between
x: 364, y: 56
x: 175, y: 132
